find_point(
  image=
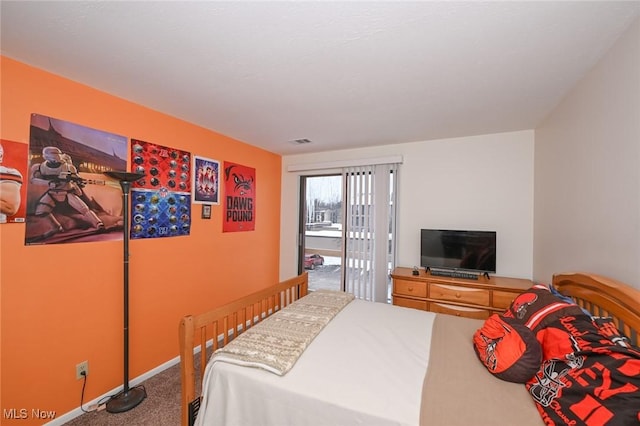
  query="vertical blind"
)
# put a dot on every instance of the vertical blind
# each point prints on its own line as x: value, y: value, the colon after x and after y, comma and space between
x: 370, y: 229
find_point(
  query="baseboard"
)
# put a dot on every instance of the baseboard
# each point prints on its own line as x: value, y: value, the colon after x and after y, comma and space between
x: 77, y: 412
x: 67, y: 417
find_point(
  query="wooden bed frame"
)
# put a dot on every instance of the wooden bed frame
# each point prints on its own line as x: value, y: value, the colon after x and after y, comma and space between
x: 214, y: 329
x: 604, y: 297
x: 599, y: 295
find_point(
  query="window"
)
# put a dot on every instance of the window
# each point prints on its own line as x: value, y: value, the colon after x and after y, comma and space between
x: 321, y: 231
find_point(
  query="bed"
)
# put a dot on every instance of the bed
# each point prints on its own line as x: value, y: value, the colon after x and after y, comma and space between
x: 378, y: 364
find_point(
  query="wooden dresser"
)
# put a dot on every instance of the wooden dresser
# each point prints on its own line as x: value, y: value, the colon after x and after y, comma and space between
x: 455, y: 296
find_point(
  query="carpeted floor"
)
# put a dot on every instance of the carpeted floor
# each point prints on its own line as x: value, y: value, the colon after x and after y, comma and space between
x: 161, y: 407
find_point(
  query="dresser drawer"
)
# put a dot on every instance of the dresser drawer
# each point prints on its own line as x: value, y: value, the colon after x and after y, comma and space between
x: 474, y: 296
x: 459, y: 311
x: 410, y: 303
x: 410, y: 288
x: 502, y: 299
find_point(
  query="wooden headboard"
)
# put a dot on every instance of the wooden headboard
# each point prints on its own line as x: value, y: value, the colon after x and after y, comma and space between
x: 604, y: 297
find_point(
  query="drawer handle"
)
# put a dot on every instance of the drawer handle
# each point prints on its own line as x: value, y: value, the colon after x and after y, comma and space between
x: 410, y: 288
x: 458, y: 295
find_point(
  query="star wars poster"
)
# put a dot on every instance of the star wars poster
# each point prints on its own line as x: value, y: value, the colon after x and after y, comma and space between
x: 69, y: 199
x: 161, y: 201
x: 240, y: 192
x: 13, y: 190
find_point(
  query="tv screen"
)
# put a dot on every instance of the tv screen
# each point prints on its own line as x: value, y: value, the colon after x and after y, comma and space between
x: 450, y: 249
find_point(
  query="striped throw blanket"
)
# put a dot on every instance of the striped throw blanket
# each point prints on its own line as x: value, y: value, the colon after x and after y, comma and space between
x: 276, y: 343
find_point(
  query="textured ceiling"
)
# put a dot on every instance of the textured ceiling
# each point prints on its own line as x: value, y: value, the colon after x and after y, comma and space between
x: 342, y: 74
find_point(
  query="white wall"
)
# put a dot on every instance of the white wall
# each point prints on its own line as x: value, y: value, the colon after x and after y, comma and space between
x: 587, y: 172
x: 477, y: 182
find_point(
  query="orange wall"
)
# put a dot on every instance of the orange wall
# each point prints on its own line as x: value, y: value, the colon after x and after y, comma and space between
x: 62, y: 304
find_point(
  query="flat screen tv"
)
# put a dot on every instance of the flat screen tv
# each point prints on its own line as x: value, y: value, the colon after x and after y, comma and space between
x: 465, y: 250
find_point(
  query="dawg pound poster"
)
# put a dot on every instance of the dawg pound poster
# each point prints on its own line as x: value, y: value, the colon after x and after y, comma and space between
x: 240, y: 195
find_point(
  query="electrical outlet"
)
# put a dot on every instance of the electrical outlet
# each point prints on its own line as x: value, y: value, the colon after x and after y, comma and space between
x: 80, y: 368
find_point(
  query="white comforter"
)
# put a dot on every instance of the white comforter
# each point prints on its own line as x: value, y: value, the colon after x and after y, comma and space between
x: 365, y: 368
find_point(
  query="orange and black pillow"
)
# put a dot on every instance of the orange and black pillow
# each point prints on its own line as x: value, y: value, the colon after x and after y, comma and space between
x: 508, y: 349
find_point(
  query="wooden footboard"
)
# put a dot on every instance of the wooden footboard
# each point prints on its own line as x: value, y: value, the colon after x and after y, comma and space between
x: 604, y: 297
x: 218, y: 327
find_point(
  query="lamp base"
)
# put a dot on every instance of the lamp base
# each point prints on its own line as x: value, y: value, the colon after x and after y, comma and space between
x: 125, y: 401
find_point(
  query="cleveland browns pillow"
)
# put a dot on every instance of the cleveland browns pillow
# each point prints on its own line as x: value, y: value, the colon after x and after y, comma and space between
x: 508, y: 349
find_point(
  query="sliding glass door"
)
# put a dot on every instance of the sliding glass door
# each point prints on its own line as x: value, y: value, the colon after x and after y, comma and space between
x: 346, y: 230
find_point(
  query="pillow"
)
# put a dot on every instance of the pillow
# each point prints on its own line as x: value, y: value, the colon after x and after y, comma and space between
x: 538, y: 307
x: 508, y: 349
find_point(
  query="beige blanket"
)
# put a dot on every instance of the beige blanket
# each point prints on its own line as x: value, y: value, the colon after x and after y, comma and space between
x: 276, y: 343
x: 459, y: 391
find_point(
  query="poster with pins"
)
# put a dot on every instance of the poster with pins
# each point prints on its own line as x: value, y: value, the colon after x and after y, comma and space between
x: 161, y: 201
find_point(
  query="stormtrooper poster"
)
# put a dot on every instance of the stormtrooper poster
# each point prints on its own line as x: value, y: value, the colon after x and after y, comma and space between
x: 69, y: 199
x: 161, y: 201
x: 13, y: 169
x: 239, y: 200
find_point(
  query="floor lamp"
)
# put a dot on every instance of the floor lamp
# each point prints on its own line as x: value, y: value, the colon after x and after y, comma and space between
x: 129, y: 397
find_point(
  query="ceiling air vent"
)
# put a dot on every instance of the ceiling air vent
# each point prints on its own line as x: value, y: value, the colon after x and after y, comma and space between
x: 300, y: 141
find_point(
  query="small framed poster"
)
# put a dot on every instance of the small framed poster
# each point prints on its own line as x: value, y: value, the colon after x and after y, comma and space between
x: 206, y: 211
x: 206, y: 181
